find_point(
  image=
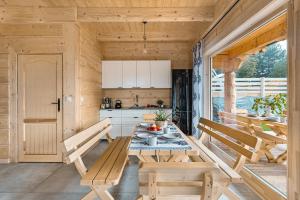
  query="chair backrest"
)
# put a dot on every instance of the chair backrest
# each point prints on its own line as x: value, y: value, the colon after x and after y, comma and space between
x: 190, y: 179
x: 149, y: 117
x: 241, y: 142
x: 81, y: 142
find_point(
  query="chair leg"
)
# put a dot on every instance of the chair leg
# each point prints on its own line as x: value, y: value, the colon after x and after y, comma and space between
x: 102, y: 193
x: 90, y: 196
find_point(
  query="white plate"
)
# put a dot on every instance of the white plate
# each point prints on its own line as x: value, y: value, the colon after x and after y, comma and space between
x: 170, y: 136
x: 143, y: 124
x: 143, y: 135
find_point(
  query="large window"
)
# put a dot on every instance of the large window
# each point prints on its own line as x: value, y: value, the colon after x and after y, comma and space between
x: 248, y: 89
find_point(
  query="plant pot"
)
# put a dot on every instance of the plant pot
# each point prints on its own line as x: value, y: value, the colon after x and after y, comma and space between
x: 283, y: 120
x: 268, y: 111
x: 162, y: 124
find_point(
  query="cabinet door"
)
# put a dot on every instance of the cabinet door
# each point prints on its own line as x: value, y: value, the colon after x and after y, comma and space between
x: 116, y: 131
x: 143, y: 74
x: 129, y: 74
x: 112, y: 72
x: 127, y: 130
x: 160, y: 73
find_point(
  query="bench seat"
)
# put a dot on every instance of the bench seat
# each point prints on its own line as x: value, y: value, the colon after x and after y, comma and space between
x: 108, y: 169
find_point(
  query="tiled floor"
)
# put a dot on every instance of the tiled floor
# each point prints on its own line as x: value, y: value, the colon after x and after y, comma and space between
x: 55, y: 181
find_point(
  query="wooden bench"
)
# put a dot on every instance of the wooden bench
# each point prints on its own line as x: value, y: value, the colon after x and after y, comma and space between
x: 270, y: 138
x: 171, y: 180
x: 243, y: 144
x: 107, y: 170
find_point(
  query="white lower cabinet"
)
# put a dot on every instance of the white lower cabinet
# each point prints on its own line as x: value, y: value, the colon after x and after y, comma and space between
x: 116, y: 130
x: 124, y: 121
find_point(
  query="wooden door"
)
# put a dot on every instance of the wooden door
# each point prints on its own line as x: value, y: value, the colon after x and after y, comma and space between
x: 40, y: 108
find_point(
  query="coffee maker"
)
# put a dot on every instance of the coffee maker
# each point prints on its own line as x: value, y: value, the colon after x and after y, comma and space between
x: 118, y: 104
x: 106, y: 103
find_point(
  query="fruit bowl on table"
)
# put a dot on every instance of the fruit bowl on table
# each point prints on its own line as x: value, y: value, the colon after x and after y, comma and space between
x: 155, y: 130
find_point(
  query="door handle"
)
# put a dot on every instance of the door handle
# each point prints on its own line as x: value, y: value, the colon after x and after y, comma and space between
x: 58, y: 104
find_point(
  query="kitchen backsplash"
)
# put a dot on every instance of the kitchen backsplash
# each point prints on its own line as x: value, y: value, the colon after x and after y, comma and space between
x: 146, y: 96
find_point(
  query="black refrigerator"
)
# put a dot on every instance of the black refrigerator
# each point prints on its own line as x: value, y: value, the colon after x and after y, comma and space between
x: 182, y: 99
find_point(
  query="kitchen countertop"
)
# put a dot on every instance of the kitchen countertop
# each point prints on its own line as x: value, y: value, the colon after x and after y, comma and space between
x: 146, y: 108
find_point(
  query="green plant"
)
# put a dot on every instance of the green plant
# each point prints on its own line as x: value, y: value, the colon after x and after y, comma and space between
x: 161, y: 115
x: 259, y: 103
x: 277, y: 103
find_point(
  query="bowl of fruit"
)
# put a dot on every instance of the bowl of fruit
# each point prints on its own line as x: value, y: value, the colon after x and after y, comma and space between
x: 154, y: 129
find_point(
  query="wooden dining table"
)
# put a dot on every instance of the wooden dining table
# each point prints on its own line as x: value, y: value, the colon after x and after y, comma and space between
x: 280, y: 130
x: 181, y: 152
x: 164, y: 151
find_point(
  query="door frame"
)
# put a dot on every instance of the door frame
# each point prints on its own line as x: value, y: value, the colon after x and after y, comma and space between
x: 18, y: 139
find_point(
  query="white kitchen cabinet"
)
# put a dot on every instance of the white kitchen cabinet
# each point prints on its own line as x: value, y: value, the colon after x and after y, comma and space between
x: 160, y: 73
x: 143, y: 74
x: 116, y: 131
x: 112, y: 74
x: 124, y: 121
x: 127, y: 130
x: 129, y: 74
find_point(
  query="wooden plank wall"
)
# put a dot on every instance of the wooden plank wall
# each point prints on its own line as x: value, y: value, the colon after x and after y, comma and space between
x: 146, y: 96
x: 89, y: 76
x: 294, y: 100
x: 4, y: 107
x: 81, y: 69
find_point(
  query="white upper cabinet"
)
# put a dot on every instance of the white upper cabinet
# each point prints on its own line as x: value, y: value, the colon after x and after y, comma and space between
x: 133, y: 74
x: 129, y: 74
x: 143, y: 74
x: 112, y: 74
x: 160, y: 73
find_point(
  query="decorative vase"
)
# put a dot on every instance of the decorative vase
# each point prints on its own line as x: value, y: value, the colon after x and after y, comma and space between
x: 162, y: 124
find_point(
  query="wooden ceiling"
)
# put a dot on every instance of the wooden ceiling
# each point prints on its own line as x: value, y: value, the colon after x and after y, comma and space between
x: 119, y: 20
x: 110, y: 3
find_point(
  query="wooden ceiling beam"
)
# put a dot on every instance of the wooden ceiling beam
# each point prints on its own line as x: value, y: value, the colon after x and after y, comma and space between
x: 151, y: 36
x: 93, y: 14
x: 37, y: 15
x: 252, y: 45
x: 200, y: 14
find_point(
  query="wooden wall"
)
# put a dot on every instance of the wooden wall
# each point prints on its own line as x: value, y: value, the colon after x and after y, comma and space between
x: 4, y: 102
x: 81, y: 74
x: 180, y: 54
x: 294, y: 100
x: 89, y: 76
x: 146, y: 96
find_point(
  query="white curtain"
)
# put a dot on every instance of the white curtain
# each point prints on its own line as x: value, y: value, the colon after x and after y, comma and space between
x: 197, y: 108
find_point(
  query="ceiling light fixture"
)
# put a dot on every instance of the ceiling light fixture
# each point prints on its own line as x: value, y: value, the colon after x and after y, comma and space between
x: 145, y: 38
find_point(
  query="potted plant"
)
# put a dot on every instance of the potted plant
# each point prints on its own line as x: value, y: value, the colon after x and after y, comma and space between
x: 161, y: 118
x: 160, y: 103
x: 258, y: 105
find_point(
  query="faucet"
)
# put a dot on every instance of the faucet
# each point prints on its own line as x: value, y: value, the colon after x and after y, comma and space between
x: 136, y: 101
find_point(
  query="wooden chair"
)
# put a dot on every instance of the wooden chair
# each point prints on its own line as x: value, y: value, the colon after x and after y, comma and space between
x: 167, y: 180
x: 270, y: 138
x: 149, y: 117
x: 245, y: 145
x: 107, y: 170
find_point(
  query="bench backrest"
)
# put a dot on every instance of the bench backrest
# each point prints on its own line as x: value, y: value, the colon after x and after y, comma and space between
x: 243, y: 143
x: 80, y: 143
x: 190, y: 179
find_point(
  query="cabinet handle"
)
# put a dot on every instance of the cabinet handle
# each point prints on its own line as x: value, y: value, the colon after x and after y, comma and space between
x: 135, y: 117
x: 110, y: 117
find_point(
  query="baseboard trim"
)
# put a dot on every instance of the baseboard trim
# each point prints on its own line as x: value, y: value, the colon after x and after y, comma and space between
x: 4, y: 161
